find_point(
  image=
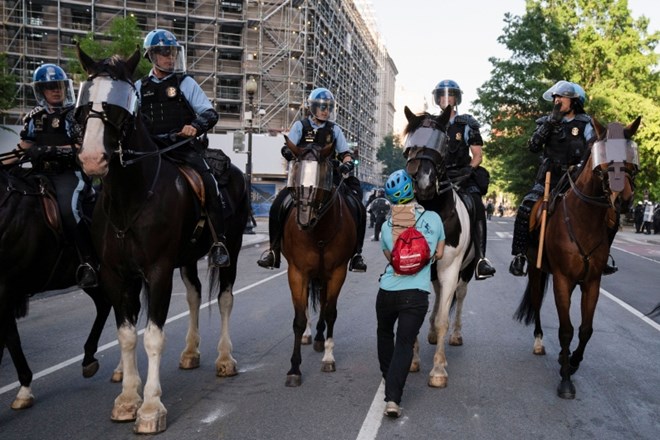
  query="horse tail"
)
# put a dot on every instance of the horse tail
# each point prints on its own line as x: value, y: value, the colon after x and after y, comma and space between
x: 214, y: 281
x: 526, y: 310
x: 315, y: 292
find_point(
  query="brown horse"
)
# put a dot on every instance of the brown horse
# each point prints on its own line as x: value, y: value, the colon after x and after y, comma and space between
x: 320, y: 235
x: 577, y: 245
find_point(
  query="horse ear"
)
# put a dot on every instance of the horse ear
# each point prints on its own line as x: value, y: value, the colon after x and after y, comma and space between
x: 443, y: 118
x: 293, y: 147
x: 410, y: 116
x: 85, y: 60
x: 134, y: 60
x: 599, y: 128
x: 630, y: 130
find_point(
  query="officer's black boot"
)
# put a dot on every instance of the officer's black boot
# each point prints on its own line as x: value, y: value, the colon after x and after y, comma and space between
x: 483, y: 269
x: 357, y: 263
x: 87, y: 272
x: 272, y: 257
x: 520, y: 239
x: 611, y: 268
x: 218, y: 254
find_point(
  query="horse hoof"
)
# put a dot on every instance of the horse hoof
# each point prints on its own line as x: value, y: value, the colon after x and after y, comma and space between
x: 152, y: 424
x: 319, y: 346
x: 456, y: 341
x: 433, y: 339
x: 414, y: 367
x: 90, y: 370
x: 189, y: 362
x: 539, y: 351
x: 22, y: 403
x: 328, y: 367
x: 122, y: 413
x: 438, y: 381
x: 306, y: 340
x: 566, y: 389
x: 226, y: 370
x: 117, y: 377
x: 293, y: 380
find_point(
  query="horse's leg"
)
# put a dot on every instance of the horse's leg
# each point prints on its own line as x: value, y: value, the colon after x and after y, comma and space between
x: 331, y: 295
x: 225, y: 364
x: 438, y: 374
x: 456, y: 338
x: 415, y: 365
x: 90, y: 364
x: 152, y: 415
x: 590, y: 293
x: 128, y: 402
x: 24, y: 398
x: 319, y: 338
x: 298, y: 285
x: 190, y: 355
x: 433, y: 336
x: 563, y: 289
x: 537, y: 281
x: 307, y: 334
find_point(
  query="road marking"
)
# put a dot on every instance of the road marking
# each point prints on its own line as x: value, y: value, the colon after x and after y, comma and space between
x: 504, y: 234
x: 109, y: 345
x: 631, y: 309
x: 636, y: 255
x: 374, y: 417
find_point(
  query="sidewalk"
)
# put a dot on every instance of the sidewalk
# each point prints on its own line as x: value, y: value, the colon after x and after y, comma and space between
x: 627, y: 232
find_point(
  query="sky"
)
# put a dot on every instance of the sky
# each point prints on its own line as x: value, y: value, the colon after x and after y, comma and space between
x: 432, y: 40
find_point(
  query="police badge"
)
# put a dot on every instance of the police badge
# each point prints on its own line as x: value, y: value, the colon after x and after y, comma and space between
x: 575, y: 131
x: 55, y: 123
x: 459, y: 136
x: 171, y: 92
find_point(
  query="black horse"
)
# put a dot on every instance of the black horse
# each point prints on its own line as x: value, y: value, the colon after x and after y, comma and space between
x: 148, y: 221
x: 35, y: 258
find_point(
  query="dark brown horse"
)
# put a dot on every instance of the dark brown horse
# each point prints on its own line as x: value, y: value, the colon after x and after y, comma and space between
x: 320, y: 235
x: 148, y: 222
x: 577, y: 245
x: 35, y: 257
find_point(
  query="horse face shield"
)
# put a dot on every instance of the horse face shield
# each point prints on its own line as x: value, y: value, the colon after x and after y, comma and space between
x: 619, y: 157
x: 310, y: 182
x: 103, y: 102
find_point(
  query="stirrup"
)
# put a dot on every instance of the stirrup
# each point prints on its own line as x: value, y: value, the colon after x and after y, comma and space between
x: 487, y: 274
x: 86, y: 276
x: 219, y: 255
x: 268, y: 260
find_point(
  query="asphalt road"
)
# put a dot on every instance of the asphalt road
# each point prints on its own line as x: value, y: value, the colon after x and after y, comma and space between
x: 497, y: 388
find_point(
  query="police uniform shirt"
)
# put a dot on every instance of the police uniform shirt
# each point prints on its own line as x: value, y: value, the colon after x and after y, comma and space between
x: 189, y: 89
x: 296, y: 132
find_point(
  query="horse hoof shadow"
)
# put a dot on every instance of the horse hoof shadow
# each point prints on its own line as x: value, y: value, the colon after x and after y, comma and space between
x: 293, y: 380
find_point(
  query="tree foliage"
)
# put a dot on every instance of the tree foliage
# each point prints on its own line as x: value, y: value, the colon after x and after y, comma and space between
x: 123, y: 38
x: 7, y: 85
x: 595, y: 43
x: 390, y: 154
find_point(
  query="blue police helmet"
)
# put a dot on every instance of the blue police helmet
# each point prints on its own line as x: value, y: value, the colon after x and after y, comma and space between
x: 320, y: 100
x: 447, y: 87
x: 164, y: 43
x: 52, y: 77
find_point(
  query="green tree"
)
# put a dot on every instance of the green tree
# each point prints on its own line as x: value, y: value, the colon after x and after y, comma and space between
x: 390, y: 154
x: 595, y: 43
x: 123, y: 38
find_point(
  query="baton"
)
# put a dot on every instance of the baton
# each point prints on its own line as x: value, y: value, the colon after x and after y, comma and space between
x: 544, y: 214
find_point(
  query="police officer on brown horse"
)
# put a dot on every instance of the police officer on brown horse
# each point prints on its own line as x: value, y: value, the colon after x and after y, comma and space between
x: 463, y: 167
x: 176, y: 109
x: 321, y: 105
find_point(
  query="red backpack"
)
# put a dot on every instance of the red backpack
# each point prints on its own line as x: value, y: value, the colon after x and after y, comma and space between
x: 411, y: 251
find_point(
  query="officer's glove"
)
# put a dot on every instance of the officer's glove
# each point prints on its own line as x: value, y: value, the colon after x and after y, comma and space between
x: 287, y: 153
x: 39, y: 152
x: 557, y: 115
x: 467, y: 171
x: 346, y: 167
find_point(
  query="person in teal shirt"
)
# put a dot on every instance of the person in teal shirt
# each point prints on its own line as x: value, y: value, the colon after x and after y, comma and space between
x: 403, y: 300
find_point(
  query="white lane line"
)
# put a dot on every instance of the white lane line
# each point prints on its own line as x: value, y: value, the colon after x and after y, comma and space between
x: 109, y: 345
x: 631, y: 309
x: 636, y: 255
x: 374, y: 417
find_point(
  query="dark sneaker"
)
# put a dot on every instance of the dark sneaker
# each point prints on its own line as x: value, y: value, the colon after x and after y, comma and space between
x: 484, y: 270
x: 219, y: 255
x: 517, y: 267
x: 86, y: 276
x: 269, y: 260
x: 392, y: 409
x: 610, y: 268
x: 357, y: 264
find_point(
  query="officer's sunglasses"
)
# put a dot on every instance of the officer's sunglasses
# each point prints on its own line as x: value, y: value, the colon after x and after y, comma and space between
x: 52, y: 86
x: 324, y: 107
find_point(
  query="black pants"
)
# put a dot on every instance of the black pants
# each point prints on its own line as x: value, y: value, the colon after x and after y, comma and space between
x: 409, y: 308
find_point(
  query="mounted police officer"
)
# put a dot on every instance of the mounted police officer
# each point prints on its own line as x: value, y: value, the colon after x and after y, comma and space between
x: 321, y: 105
x: 563, y: 138
x: 47, y: 138
x: 462, y: 162
x: 176, y: 108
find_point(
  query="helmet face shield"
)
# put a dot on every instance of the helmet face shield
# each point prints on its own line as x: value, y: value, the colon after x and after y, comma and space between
x: 445, y: 89
x: 54, y: 93
x: 321, y: 104
x: 561, y: 88
x: 170, y: 59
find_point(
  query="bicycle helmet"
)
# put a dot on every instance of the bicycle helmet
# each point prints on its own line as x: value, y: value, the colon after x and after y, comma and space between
x: 399, y: 188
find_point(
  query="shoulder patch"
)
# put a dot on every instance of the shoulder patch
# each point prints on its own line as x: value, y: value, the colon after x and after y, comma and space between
x: 31, y: 114
x: 467, y: 119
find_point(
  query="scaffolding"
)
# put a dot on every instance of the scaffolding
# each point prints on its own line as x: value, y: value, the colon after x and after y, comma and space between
x: 289, y: 46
